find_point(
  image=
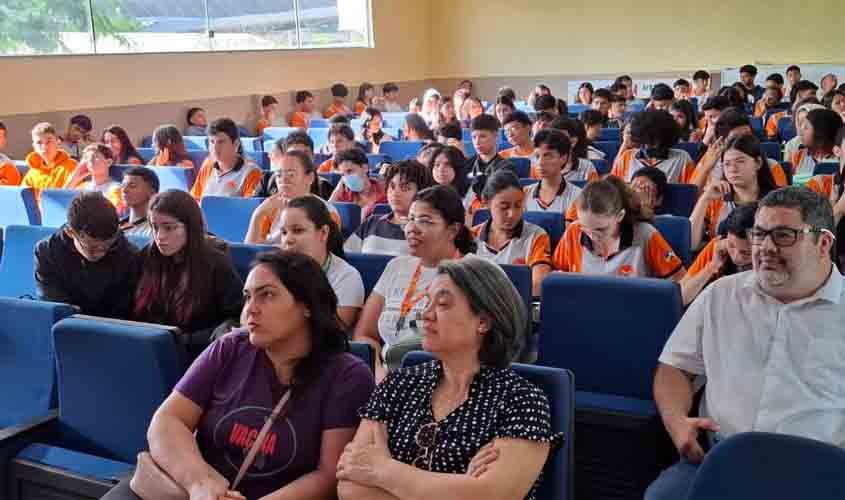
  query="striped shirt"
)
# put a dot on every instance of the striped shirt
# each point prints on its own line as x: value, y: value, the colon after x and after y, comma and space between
x: 378, y: 235
x: 677, y: 166
x: 529, y: 246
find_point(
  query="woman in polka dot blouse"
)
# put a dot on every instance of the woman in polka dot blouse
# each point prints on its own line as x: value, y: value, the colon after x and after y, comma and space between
x: 464, y: 425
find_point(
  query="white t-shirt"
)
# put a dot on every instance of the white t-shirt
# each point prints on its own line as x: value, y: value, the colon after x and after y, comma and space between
x: 346, y: 282
x: 393, y: 286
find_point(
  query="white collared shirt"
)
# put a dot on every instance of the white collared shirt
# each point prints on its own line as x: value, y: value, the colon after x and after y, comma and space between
x: 770, y: 366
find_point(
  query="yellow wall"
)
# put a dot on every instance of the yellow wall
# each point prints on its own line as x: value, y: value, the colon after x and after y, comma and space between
x: 34, y: 85
x: 484, y: 38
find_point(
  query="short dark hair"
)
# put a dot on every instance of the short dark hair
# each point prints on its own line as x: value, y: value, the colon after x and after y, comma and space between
x: 544, y: 116
x: 339, y: 119
x: 840, y: 137
x: 662, y: 92
x: 339, y: 90
x: 826, y: 124
x: 268, y: 100
x: 656, y: 176
x: 740, y: 220
x: 447, y: 201
x: 553, y: 139
x: 298, y: 137
x: 150, y: 177
x: 354, y: 155
x: 451, y: 130
x: 603, y: 93
x: 624, y: 78
x: 409, y: 171
x: 93, y: 214
x: 485, y: 122
x: 390, y: 87
x: 730, y: 119
x: 815, y: 209
x: 417, y: 123
x: 617, y: 98
x: 681, y: 82
x: 342, y: 129
x: 590, y: 117
x: 701, y: 75
x: 304, y: 160
x: 655, y: 128
x: 775, y: 77
x: 226, y: 126
x: 190, y: 115
x: 801, y: 86
x: 576, y: 130
x: 793, y: 68
x: 498, y: 182
x: 507, y: 92
x: 506, y: 101
x: 618, y: 87
x: 82, y: 121
x: 519, y: 117
x: 717, y: 102
x: 302, y: 96
x: 749, y: 68
x: 544, y: 102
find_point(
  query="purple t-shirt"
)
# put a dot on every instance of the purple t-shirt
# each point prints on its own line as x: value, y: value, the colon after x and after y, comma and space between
x: 235, y: 385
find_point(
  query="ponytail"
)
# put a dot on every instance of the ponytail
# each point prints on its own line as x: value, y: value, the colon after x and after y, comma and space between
x: 464, y: 241
x: 610, y: 195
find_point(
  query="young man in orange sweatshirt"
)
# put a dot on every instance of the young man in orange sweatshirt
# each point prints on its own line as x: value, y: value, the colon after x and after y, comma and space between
x: 49, y: 166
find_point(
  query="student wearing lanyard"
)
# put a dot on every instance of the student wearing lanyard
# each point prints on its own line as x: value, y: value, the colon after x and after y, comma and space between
x: 746, y: 179
x: 307, y: 227
x: 435, y: 232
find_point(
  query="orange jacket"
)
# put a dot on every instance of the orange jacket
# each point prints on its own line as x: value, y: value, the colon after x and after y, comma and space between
x: 44, y: 175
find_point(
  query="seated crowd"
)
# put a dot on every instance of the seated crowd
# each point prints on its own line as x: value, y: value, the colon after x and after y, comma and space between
x: 765, y: 278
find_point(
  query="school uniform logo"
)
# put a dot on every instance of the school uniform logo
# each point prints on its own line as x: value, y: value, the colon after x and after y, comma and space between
x: 669, y: 257
x: 626, y: 270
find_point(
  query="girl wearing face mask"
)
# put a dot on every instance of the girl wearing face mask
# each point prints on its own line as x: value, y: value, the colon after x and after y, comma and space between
x: 727, y: 254
x: 357, y: 186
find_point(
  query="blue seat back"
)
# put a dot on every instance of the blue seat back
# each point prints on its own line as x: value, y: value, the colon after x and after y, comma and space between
x: 27, y: 360
x: 320, y: 136
x: 612, y: 353
x: 17, y: 266
x: 112, y: 375
x: 228, y: 217
x: 559, y: 386
x: 786, y: 128
x: 401, y: 150
x: 469, y: 149
x: 260, y: 158
x: 55, y: 204
x: 520, y: 276
x: 610, y: 134
x: 609, y: 148
x: 679, y: 200
x: 380, y: 209
x: 375, y: 160
x: 551, y: 222
x: 147, y: 141
x: 825, y: 168
x: 181, y: 178
x: 242, y: 256
x: 603, y: 166
x: 252, y: 144
x: 772, y: 151
x: 332, y: 177
x: 523, y: 167
x: 771, y: 466
x: 198, y: 158
x: 350, y: 217
x: 318, y: 123
x: 466, y: 134
x: 370, y: 266
x: 19, y: 206
x: 196, y: 142
x: 276, y: 133
x: 693, y: 149
x: 147, y: 153
x: 365, y: 352
x: 527, y: 182
x: 677, y: 231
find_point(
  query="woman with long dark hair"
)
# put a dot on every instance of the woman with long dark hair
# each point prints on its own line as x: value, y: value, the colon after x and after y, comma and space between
x: 169, y: 148
x: 124, y: 152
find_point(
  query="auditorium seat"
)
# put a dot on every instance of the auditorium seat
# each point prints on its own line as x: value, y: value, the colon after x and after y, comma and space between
x: 196, y: 142
x: 332, y: 177
x: 826, y: 168
x: 677, y: 231
x: 198, y: 158
x: 772, y: 151
x: 380, y: 209
x: 260, y: 158
x: 252, y: 144
x: 147, y: 153
x: 22, y: 166
x: 54, y: 206
x: 112, y: 376
x: 17, y: 267
x: 19, y: 206
x: 370, y: 266
x: 693, y: 149
x: 374, y: 160
x: 551, y: 222
x: 350, y: 217
x: 770, y: 466
x: 679, y: 200
x: 610, y: 331
x: 469, y: 149
x: 365, y: 352
x: 276, y: 133
x: 603, y: 166
x: 610, y: 134
x: 523, y: 167
x: 558, y: 385
x: 320, y: 136
x: 243, y: 254
x: 609, y: 148
x: 228, y: 217
x: 316, y: 123
x: 786, y: 129
x: 401, y: 150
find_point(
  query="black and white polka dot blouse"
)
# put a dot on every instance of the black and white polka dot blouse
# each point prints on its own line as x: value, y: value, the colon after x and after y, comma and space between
x: 501, y: 404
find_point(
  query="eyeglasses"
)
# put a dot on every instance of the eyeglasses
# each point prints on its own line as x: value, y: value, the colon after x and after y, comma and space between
x: 781, y: 236
x: 426, y: 439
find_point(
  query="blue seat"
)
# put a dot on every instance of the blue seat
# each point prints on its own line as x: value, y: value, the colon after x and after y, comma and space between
x: 147, y: 141
x: 380, y: 209
x: 826, y: 168
x: 551, y: 222
x: 228, y: 217
x: 22, y: 166
x: 376, y: 160
x: 677, y: 231
x: 603, y: 166
x: 527, y: 182
x: 260, y: 158
x: 401, y: 150
x: 181, y: 178
x: 577, y: 108
x: 332, y: 177
x: 320, y: 158
x: 276, y: 133
x: 196, y: 142
x: 693, y: 149
x: 318, y: 123
x: 395, y: 132
x: 350, y: 217
x: 320, y: 136
x: 610, y: 134
x: 356, y: 124
x: 252, y: 144
x: 466, y: 134
x: 469, y: 149
x: 365, y: 352
x: 786, y: 128
x: 523, y: 167
x: 480, y: 216
x: 54, y: 206
x: 609, y: 148
x: 621, y: 444
x: 770, y: 466
x: 100, y: 430
x: 757, y: 127
x: 27, y: 361
x: 243, y: 254
x: 147, y: 153
x: 198, y: 158
x: 19, y: 206
x: 268, y: 145
x: 772, y: 150
x: 679, y: 200
x: 17, y: 267
x: 558, y: 385
x: 370, y: 266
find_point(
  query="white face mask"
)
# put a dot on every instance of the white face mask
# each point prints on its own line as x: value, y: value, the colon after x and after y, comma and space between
x: 354, y: 183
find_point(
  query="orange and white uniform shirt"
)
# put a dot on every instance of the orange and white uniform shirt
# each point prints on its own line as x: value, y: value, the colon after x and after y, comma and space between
x: 778, y: 173
x: 271, y: 229
x: 678, y: 166
x: 772, y: 123
x: 642, y: 253
x: 529, y: 246
x: 803, y: 163
x: 826, y: 186
x: 237, y: 182
x: 514, y: 152
x: 563, y: 202
x: 584, y: 171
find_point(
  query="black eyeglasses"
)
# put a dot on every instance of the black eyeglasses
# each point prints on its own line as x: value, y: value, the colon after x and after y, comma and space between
x: 426, y: 439
x: 781, y: 236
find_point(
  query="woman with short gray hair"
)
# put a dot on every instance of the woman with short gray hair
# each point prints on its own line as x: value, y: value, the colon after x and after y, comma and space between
x: 464, y: 425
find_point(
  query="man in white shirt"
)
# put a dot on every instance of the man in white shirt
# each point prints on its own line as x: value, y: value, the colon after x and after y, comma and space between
x: 768, y: 341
